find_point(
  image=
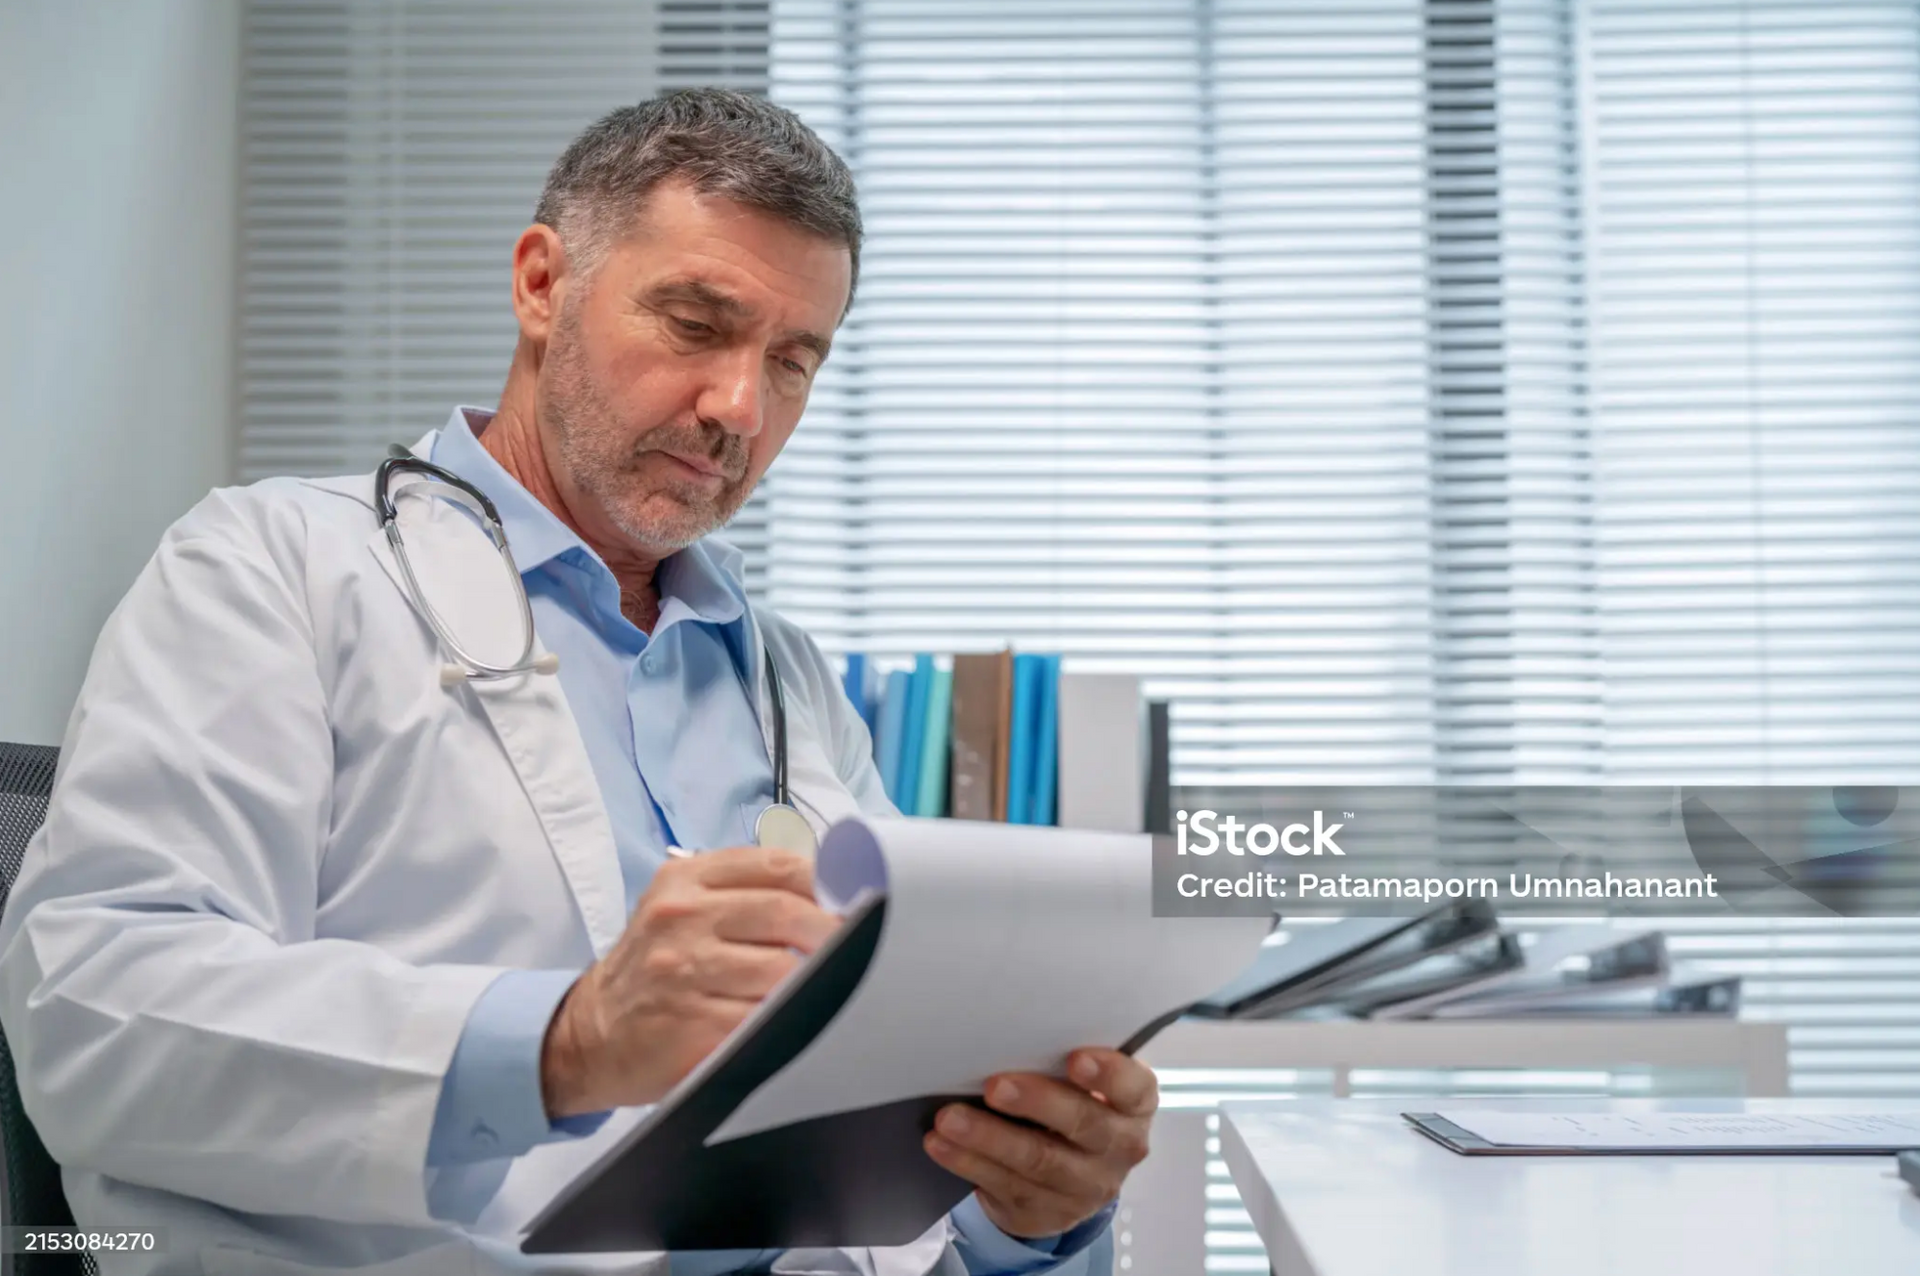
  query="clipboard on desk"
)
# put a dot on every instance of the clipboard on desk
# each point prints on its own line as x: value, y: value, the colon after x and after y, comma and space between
x: 1669, y: 1133
x: 853, y: 1178
x: 1322, y: 965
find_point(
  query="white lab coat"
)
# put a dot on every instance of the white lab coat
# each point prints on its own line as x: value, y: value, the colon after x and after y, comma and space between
x: 281, y: 863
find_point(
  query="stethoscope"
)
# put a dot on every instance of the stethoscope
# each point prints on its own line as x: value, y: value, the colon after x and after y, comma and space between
x: 779, y: 826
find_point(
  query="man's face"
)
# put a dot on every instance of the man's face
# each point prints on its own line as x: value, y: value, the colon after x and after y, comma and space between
x: 676, y: 372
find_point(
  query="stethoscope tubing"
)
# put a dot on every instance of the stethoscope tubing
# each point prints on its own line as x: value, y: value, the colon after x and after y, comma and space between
x: 476, y: 501
x: 471, y: 668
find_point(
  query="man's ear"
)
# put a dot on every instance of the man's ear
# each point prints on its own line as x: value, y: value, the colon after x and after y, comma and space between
x: 541, y: 275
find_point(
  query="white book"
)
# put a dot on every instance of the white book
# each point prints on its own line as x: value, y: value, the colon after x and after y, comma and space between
x: 1103, y: 757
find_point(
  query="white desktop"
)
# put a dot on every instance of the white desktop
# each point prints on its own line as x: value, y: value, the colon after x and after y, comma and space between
x: 1348, y: 1188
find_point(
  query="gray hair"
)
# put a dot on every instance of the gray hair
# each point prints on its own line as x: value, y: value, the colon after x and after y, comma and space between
x: 724, y: 143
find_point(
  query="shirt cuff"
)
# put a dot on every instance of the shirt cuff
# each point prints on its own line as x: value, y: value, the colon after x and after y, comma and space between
x: 988, y: 1251
x: 490, y: 1101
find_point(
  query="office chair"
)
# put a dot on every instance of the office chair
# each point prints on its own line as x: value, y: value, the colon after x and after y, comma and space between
x: 30, y: 1195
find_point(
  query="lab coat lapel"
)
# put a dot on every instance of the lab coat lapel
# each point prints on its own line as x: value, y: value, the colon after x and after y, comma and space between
x: 529, y: 713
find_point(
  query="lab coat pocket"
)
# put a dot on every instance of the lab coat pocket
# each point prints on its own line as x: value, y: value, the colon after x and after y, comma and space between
x: 453, y: 1258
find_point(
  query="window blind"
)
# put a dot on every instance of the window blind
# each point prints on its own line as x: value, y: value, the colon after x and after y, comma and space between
x: 392, y: 151
x: 1756, y: 316
x: 1464, y: 390
x: 1138, y: 370
x: 1754, y: 208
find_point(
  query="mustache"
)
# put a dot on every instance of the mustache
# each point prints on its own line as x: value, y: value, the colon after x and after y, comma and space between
x: 727, y: 450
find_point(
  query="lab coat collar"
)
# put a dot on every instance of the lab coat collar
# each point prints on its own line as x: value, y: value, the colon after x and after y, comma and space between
x: 535, y: 532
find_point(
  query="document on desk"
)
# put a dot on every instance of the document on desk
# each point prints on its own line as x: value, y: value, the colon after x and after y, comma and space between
x: 1669, y: 1133
x: 969, y: 948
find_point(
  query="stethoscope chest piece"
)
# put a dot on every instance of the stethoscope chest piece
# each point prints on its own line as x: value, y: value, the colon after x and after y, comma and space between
x: 781, y: 827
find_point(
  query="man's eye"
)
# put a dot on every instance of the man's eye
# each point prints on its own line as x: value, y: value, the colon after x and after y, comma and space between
x: 795, y: 366
x: 693, y: 327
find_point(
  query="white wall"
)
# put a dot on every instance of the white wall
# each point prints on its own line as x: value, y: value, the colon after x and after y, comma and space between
x: 118, y: 170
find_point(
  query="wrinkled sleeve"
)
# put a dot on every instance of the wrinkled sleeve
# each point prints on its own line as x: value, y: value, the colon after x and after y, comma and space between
x: 174, y: 1021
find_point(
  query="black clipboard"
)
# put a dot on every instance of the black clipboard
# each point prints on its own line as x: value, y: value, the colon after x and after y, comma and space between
x: 1454, y: 1138
x: 1465, y: 1142
x: 859, y: 1178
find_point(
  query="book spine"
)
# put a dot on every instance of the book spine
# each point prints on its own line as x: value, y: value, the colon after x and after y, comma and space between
x: 1047, y: 741
x: 931, y: 800
x: 855, y: 683
x: 913, y: 733
x: 1159, y: 768
x: 893, y: 720
x: 1020, y: 759
x: 976, y: 716
x: 1102, y: 764
x: 1002, y: 732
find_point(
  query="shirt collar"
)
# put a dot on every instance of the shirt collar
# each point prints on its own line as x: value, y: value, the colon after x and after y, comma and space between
x: 697, y: 578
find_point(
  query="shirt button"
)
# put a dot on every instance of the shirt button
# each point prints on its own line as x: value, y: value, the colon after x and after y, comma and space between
x: 648, y: 663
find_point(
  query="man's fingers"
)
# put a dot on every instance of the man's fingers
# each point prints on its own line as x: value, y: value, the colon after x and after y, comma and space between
x: 770, y: 868
x: 730, y: 971
x: 1073, y: 1114
x: 1016, y: 1198
x: 1032, y: 1156
x: 753, y: 915
x: 1129, y: 1085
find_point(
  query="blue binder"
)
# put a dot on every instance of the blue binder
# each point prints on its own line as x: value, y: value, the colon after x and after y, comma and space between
x: 855, y: 683
x: 1046, y: 756
x: 887, y: 745
x: 912, y: 734
x: 1020, y: 748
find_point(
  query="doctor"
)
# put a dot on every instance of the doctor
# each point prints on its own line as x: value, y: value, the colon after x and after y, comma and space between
x: 328, y: 959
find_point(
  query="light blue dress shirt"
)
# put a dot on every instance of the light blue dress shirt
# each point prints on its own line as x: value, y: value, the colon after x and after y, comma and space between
x: 680, y: 760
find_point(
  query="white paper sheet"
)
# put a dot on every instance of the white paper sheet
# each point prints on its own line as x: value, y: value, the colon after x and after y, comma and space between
x: 1005, y: 947
x: 1692, y: 1131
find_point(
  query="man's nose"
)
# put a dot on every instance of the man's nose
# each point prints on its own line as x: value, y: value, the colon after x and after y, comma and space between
x: 734, y: 398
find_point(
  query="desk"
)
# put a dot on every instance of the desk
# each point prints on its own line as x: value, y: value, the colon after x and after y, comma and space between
x: 1345, y: 1188
x: 1164, y: 1205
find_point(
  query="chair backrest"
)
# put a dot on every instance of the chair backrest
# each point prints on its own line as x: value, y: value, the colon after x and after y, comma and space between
x: 32, y: 1195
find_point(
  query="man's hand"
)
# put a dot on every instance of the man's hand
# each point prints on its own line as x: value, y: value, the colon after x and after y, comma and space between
x: 1033, y: 1183
x: 712, y: 936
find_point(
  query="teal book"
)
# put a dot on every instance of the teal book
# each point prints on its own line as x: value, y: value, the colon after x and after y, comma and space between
x: 932, y: 799
x: 913, y: 733
x: 1046, y: 754
x: 1020, y: 747
x: 893, y: 719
